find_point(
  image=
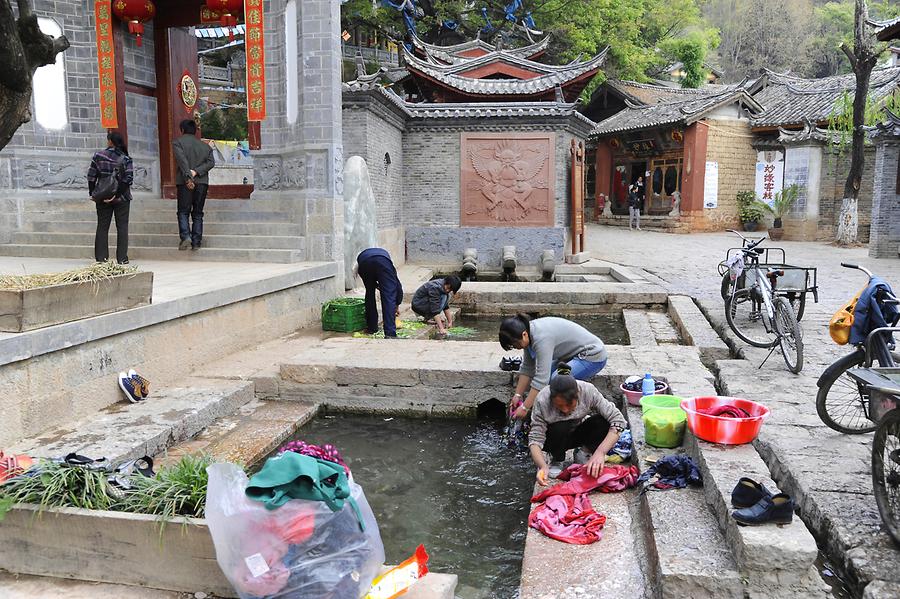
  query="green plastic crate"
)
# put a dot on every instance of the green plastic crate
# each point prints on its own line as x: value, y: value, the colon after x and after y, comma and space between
x: 345, y: 315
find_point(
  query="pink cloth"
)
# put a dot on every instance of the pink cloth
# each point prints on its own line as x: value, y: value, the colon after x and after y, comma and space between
x: 568, y: 518
x: 611, y: 479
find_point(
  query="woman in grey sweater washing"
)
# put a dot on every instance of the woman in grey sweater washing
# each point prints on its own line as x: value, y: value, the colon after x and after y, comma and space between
x: 570, y: 414
x: 547, y: 341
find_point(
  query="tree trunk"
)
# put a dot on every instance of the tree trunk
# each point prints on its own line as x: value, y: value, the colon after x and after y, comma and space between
x: 23, y: 48
x: 863, y: 59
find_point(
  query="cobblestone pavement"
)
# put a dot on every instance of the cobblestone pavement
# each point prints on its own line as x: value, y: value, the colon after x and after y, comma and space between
x: 828, y: 472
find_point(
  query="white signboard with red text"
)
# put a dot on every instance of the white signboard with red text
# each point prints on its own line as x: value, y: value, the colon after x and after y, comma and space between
x: 769, y: 174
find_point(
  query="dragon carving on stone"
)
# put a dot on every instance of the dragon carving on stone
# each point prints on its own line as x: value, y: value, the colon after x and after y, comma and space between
x: 508, y: 178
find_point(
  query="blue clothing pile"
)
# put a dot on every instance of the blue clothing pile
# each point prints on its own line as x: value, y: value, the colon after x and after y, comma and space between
x: 672, y: 472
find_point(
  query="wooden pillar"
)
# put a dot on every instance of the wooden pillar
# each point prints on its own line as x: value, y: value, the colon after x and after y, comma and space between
x: 603, y: 164
x: 695, y: 138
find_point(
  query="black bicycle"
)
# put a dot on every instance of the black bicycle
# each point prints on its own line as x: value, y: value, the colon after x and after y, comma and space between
x: 842, y: 402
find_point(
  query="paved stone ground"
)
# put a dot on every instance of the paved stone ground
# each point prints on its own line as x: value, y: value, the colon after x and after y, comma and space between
x: 828, y: 472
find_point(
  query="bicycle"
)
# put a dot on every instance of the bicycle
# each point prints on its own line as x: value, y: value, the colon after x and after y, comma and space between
x: 755, y: 313
x: 841, y: 401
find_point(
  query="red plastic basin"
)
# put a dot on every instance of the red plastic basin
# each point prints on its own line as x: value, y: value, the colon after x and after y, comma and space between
x: 721, y: 429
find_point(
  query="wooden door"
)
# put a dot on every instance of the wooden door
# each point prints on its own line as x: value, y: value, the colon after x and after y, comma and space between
x: 176, y: 59
x: 664, y: 180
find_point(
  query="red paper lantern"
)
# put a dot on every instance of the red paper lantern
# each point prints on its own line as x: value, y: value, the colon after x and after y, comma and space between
x: 229, y: 9
x: 135, y: 13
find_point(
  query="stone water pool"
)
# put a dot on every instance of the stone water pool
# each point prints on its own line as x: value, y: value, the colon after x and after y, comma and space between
x: 452, y: 485
x: 609, y: 327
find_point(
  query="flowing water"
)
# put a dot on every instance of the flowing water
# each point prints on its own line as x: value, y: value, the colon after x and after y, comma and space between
x: 452, y: 485
x: 609, y: 327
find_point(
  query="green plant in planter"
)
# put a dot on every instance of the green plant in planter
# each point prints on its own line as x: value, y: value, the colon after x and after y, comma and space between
x: 748, y: 211
x: 176, y: 490
x: 784, y: 199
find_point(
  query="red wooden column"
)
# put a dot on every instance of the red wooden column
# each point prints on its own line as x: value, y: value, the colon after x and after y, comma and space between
x: 603, y: 163
x: 695, y: 138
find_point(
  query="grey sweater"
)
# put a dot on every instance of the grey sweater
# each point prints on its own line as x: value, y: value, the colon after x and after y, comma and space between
x: 557, y: 339
x: 590, y: 402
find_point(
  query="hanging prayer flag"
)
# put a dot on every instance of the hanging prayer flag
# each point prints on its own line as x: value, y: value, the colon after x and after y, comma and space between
x: 256, y: 60
x: 106, y: 64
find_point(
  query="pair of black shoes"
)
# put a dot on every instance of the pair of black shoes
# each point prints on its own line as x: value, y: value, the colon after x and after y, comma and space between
x: 510, y: 364
x: 757, y: 505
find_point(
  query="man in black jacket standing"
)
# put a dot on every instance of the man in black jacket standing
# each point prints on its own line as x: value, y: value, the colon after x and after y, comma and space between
x: 377, y: 271
x: 194, y: 159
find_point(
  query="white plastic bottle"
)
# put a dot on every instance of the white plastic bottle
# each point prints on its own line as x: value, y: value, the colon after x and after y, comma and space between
x: 648, y: 386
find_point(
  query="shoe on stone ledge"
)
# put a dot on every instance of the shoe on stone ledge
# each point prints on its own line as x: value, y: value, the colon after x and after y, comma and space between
x: 747, y: 492
x: 582, y: 456
x: 185, y: 244
x: 777, y: 509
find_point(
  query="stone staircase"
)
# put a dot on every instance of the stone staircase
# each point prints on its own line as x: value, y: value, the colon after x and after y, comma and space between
x: 233, y: 231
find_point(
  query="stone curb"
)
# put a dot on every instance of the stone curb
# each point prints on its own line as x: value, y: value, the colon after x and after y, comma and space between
x: 696, y: 329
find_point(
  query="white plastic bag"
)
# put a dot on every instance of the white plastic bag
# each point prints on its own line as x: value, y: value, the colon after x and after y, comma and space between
x: 301, y: 550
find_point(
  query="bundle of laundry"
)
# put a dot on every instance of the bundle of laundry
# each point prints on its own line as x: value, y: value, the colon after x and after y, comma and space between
x: 622, y: 450
x: 299, y: 528
x: 565, y: 512
x: 671, y: 472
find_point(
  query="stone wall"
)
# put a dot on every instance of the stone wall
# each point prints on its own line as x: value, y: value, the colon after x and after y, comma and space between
x: 884, y: 241
x: 728, y: 143
x: 377, y: 137
x: 431, y: 198
x: 835, y: 167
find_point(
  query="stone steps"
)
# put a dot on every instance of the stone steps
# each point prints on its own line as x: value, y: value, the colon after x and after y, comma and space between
x: 127, y: 431
x: 168, y: 240
x: 156, y: 253
x: 137, y: 213
x: 683, y: 560
x: 167, y: 226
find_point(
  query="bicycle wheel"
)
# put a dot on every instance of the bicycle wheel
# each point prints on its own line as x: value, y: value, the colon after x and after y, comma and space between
x: 790, y: 337
x: 840, y: 403
x: 798, y: 303
x: 886, y: 472
x: 725, y: 289
x: 744, y: 314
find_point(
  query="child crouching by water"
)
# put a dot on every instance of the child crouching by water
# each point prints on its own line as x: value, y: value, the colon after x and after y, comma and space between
x: 572, y: 414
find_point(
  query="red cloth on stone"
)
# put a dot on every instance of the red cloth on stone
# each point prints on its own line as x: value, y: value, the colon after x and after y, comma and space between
x: 566, y: 513
x: 725, y: 411
x: 611, y: 479
x: 568, y: 518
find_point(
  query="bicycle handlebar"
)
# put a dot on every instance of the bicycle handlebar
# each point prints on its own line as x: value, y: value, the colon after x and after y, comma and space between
x: 858, y: 267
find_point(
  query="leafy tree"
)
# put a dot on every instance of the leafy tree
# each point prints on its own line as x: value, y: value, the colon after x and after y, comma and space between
x: 23, y: 49
x: 691, y: 51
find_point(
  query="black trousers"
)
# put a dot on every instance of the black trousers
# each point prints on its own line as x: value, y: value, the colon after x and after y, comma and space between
x: 105, y: 213
x: 190, y: 206
x: 571, y: 434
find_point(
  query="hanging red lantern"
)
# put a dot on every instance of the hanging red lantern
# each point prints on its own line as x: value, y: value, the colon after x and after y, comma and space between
x: 229, y: 10
x: 135, y: 13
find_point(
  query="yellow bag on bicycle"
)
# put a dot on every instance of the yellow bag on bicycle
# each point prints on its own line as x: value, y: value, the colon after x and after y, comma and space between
x: 842, y: 321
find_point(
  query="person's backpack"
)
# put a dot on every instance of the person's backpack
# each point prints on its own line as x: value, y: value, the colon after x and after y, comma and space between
x: 107, y: 185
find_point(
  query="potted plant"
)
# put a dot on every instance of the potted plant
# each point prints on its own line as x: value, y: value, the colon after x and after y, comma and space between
x: 780, y: 206
x: 749, y: 213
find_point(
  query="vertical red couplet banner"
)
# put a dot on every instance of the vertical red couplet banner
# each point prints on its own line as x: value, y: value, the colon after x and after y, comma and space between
x: 106, y: 63
x: 256, y: 60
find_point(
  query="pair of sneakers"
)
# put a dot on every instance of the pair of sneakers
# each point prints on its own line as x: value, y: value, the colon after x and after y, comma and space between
x: 135, y: 387
x: 581, y: 456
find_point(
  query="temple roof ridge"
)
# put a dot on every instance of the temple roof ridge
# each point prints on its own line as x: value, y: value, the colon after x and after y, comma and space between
x: 501, y: 55
x: 448, y: 54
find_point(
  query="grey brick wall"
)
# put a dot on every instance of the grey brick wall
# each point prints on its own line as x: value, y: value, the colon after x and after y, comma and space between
x: 140, y: 63
x: 884, y: 240
x: 367, y: 135
x: 834, y: 174
x: 143, y: 134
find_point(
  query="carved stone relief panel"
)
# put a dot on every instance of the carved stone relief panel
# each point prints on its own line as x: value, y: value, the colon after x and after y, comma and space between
x: 294, y: 173
x: 267, y: 173
x: 339, y: 170
x: 143, y: 178
x: 38, y: 174
x: 5, y: 174
x: 507, y: 179
x: 318, y: 175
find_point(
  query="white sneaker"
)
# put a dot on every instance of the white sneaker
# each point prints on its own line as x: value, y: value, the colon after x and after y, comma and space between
x: 556, y: 468
x: 582, y: 456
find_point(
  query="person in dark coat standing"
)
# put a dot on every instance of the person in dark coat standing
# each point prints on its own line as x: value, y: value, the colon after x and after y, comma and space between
x: 375, y: 268
x: 105, y: 163
x: 634, y: 207
x: 194, y: 160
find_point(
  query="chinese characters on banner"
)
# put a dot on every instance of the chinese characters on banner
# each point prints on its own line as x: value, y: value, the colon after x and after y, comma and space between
x: 769, y: 175
x: 106, y: 63
x: 208, y: 15
x: 711, y: 185
x: 256, y: 60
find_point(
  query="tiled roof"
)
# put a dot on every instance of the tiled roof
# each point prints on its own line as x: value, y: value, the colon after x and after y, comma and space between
x: 886, y: 30
x: 550, y: 77
x: 788, y: 100
x: 646, y: 93
x: 685, y: 110
x: 889, y: 127
x: 450, y: 54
